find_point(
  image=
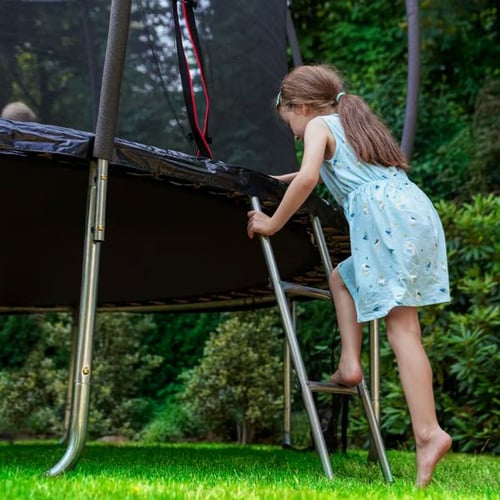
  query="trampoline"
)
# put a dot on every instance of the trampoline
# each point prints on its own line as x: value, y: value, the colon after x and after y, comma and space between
x: 177, y: 227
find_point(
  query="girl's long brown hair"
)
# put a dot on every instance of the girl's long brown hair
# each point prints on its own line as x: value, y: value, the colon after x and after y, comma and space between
x: 317, y: 86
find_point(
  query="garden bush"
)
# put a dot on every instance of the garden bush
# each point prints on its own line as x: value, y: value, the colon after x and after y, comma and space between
x: 33, y: 395
x: 236, y: 390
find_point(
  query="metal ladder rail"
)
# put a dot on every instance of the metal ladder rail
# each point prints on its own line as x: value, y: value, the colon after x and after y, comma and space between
x: 373, y: 336
x: 294, y: 349
x: 307, y: 387
x: 371, y: 408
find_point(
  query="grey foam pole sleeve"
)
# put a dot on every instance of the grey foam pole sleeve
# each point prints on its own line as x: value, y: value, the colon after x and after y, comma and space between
x: 107, y: 116
x: 410, y: 122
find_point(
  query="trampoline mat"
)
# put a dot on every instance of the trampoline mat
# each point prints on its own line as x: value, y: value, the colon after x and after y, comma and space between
x: 175, y: 227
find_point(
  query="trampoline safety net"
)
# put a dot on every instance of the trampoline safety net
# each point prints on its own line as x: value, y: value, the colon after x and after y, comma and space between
x: 51, y: 58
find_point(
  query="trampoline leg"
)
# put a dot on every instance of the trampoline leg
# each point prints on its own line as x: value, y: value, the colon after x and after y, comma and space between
x: 82, y: 371
x: 107, y: 118
x: 71, y: 375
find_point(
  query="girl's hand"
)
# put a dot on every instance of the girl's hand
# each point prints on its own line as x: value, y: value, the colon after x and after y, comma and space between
x: 259, y: 223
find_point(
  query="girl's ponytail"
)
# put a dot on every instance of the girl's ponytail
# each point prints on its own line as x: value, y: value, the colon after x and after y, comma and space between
x: 370, y: 138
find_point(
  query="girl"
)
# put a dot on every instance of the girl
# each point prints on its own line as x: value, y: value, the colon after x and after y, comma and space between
x: 398, y: 251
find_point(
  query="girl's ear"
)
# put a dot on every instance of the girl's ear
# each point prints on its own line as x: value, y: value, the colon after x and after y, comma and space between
x: 302, y: 109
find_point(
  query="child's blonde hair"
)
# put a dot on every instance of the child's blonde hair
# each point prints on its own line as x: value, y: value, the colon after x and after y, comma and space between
x: 321, y: 86
x: 18, y: 111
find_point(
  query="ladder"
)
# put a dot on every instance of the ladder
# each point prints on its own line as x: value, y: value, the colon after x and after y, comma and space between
x: 282, y: 290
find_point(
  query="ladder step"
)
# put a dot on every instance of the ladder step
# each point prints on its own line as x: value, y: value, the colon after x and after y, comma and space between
x: 306, y: 291
x: 331, y: 388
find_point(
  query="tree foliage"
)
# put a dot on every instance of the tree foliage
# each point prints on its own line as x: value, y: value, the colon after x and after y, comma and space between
x: 458, y: 58
x: 238, y: 382
x: 33, y: 395
x: 33, y: 392
x: 18, y: 334
x: 179, y: 338
x: 121, y: 365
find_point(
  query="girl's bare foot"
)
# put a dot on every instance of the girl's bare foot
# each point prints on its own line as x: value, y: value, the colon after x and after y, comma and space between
x: 348, y: 376
x: 429, y: 453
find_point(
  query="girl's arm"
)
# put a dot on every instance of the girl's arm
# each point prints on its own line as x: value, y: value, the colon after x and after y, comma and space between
x: 315, y: 141
x: 286, y: 178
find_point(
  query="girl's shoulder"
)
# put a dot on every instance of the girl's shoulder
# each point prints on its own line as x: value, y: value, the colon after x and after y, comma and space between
x: 334, y: 117
x: 317, y: 124
x: 333, y: 123
x: 328, y: 120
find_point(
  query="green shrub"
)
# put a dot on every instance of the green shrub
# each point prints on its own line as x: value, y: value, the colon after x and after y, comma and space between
x: 121, y: 364
x: 236, y: 390
x: 173, y: 422
x: 33, y: 395
x: 179, y: 339
x: 445, y: 171
x: 465, y: 161
x: 18, y: 334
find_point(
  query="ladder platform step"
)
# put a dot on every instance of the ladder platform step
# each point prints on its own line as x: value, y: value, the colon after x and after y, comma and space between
x: 331, y: 388
x: 304, y: 290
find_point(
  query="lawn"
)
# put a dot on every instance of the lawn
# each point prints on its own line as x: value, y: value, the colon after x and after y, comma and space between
x: 222, y: 471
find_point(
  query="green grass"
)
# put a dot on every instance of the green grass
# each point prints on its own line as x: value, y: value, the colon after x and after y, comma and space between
x: 211, y: 471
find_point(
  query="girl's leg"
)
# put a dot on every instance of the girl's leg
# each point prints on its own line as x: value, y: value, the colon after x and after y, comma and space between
x: 432, y: 442
x: 349, y: 371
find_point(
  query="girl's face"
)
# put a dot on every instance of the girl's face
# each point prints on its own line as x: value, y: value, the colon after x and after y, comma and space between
x: 296, y: 117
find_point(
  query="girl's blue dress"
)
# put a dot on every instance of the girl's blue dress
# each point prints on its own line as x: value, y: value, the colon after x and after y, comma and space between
x: 398, y: 248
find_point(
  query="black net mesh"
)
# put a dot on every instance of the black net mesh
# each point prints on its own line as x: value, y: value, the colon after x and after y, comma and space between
x: 52, y: 52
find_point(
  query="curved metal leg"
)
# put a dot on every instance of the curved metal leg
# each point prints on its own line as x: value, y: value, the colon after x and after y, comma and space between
x: 95, y: 227
x: 71, y: 375
x: 77, y: 432
x: 82, y: 372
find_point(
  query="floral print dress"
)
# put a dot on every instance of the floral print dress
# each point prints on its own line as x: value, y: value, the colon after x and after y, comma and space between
x: 398, y: 249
